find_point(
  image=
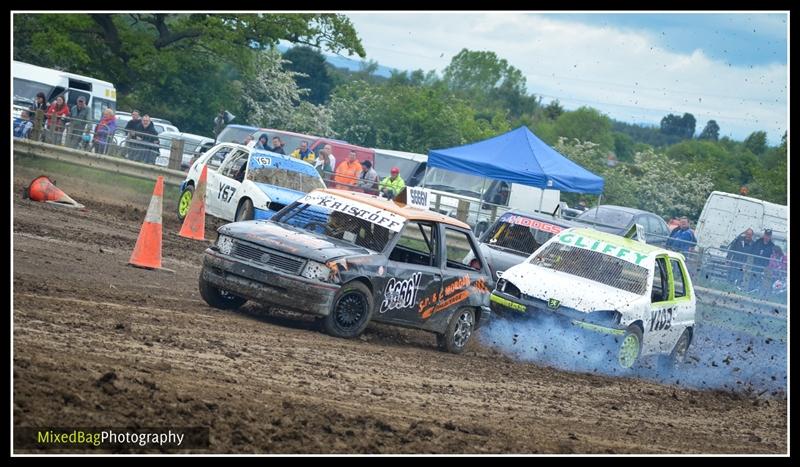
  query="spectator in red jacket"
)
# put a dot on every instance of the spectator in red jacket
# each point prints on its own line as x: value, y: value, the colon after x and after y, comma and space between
x: 56, y: 113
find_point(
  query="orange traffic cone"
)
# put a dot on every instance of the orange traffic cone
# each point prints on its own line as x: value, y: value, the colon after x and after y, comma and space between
x: 147, y: 252
x: 42, y: 189
x: 194, y: 225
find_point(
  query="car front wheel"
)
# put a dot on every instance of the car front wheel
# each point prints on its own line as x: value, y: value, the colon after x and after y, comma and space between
x: 351, y: 312
x: 185, y: 201
x: 630, y: 348
x: 218, y: 298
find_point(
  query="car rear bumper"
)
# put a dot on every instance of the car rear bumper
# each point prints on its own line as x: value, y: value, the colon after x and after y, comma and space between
x: 267, y: 286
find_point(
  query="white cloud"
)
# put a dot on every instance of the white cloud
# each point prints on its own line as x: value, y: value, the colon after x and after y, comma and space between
x: 620, y: 72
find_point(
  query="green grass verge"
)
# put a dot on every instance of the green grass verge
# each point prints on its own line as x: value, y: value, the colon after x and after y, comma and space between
x: 90, y: 176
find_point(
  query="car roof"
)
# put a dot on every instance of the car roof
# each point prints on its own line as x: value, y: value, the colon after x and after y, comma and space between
x: 413, y: 156
x: 623, y: 209
x: 409, y: 213
x: 633, y: 245
x: 559, y: 221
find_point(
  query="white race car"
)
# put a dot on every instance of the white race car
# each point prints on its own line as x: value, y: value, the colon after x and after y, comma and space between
x: 244, y: 183
x: 639, y: 294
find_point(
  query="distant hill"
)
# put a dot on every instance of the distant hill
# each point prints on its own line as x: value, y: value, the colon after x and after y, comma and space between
x: 337, y: 61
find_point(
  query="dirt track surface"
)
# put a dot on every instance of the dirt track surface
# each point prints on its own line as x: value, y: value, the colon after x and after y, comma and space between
x: 99, y: 343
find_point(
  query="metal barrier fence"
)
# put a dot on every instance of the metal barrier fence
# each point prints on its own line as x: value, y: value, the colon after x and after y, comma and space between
x: 91, y: 136
x: 735, y: 272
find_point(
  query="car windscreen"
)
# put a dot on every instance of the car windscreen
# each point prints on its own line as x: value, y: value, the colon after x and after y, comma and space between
x: 233, y: 135
x: 607, y: 216
x: 594, y: 266
x: 283, y: 172
x: 350, y: 221
x: 520, y: 234
x: 385, y: 162
x: 454, y: 182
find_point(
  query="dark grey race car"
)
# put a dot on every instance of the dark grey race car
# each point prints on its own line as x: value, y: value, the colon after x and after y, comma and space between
x: 351, y: 258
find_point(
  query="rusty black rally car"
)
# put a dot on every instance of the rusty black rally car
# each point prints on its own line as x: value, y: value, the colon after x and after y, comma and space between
x: 350, y: 258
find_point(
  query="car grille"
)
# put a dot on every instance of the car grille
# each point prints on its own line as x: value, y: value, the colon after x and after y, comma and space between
x: 269, y: 257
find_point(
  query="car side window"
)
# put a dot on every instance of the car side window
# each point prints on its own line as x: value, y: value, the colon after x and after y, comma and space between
x: 660, y: 289
x: 459, y: 246
x: 216, y: 159
x: 677, y: 277
x: 234, y: 163
x: 417, y: 244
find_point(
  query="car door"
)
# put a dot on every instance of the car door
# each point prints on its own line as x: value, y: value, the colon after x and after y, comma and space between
x: 656, y: 330
x: 215, y: 181
x: 228, y: 188
x: 683, y: 314
x: 413, y: 275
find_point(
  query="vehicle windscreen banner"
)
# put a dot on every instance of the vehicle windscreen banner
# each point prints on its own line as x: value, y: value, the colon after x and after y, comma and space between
x: 356, y: 209
x: 606, y: 248
x: 283, y: 172
x: 532, y: 223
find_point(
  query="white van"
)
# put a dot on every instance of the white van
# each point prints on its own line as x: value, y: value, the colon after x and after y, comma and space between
x: 726, y: 215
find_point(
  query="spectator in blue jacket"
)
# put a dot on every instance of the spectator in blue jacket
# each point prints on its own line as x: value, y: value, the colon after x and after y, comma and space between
x: 23, y: 126
x: 682, y: 238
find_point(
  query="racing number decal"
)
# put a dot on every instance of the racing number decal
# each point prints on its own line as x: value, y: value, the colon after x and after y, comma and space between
x: 419, y: 197
x: 225, y: 192
x: 661, y: 319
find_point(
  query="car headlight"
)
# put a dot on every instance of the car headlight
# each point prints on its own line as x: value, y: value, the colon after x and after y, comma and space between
x: 225, y: 244
x: 315, y: 270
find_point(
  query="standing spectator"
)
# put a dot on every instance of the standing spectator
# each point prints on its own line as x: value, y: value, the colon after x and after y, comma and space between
x: 682, y: 238
x: 133, y: 125
x: 347, y: 173
x: 762, y: 250
x: 56, y: 114
x: 392, y: 185
x: 147, y: 141
x: 219, y: 123
x: 325, y: 163
x: 368, y: 180
x: 277, y: 145
x: 104, y: 131
x: 22, y: 127
x: 582, y: 206
x: 78, y: 122
x: 737, y: 257
x: 263, y: 142
x: 40, y: 103
x: 248, y: 141
x: 303, y: 153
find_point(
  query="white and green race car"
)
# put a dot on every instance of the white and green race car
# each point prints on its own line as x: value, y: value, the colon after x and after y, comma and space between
x: 638, y: 294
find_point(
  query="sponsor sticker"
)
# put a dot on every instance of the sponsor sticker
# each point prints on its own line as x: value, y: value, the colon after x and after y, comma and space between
x: 356, y: 209
x: 601, y: 246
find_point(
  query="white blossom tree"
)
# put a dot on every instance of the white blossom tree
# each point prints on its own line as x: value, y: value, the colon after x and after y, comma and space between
x: 272, y: 99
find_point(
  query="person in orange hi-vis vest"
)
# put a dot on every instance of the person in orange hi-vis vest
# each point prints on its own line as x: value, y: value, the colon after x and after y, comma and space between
x: 347, y: 173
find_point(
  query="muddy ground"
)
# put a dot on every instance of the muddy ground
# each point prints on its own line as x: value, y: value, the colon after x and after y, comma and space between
x: 99, y: 343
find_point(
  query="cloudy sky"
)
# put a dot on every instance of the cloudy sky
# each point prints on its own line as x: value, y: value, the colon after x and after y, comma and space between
x: 637, y: 68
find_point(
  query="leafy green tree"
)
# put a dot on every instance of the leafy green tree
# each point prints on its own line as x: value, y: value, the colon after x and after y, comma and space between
x: 186, y: 66
x: 710, y: 132
x: 314, y: 73
x: 586, y: 124
x: 553, y: 110
x: 756, y: 142
x: 489, y: 82
x: 406, y: 117
x: 623, y: 147
x: 679, y: 126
